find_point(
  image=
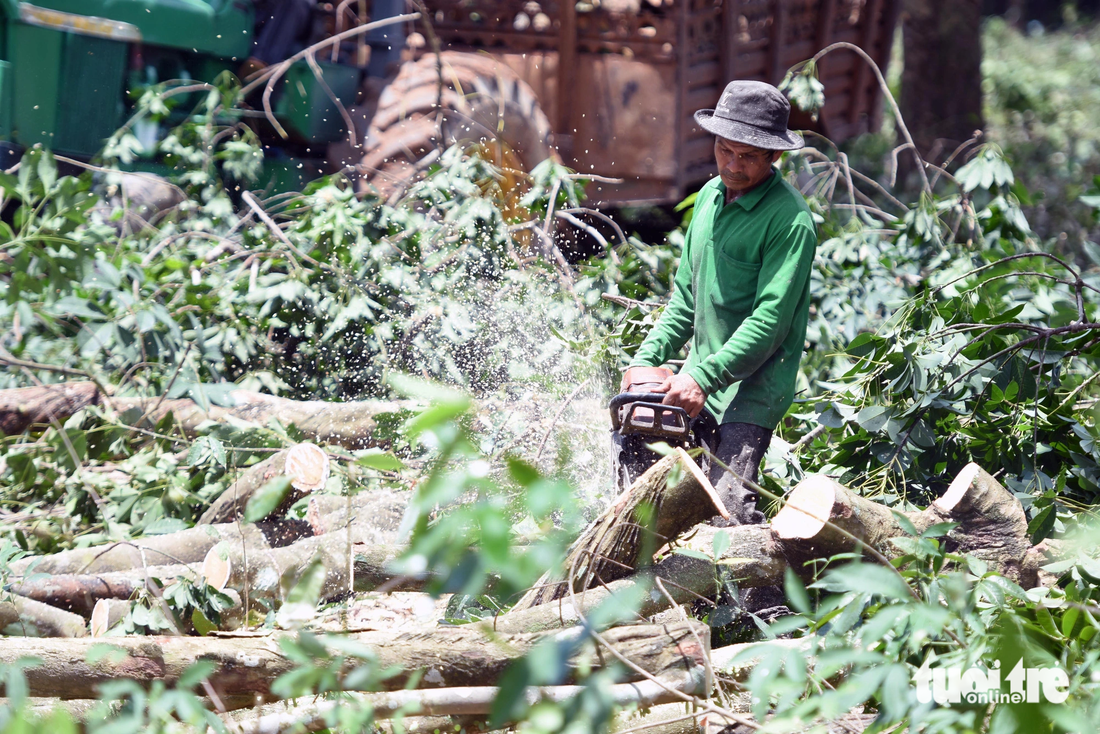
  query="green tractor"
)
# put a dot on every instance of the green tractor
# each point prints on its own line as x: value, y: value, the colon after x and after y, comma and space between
x: 70, y: 71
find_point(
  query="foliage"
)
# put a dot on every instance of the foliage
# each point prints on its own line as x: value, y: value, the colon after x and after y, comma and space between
x: 1041, y: 105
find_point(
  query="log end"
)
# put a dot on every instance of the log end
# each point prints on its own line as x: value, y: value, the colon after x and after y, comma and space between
x: 687, y: 462
x: 216, y: 568
x: 958, y: 489
x: 100, y: 621
x: 808, y: 508
x: 307, y: 467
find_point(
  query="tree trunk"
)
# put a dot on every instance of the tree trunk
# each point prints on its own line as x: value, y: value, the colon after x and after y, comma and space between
x: 25, y: 407
x: 752, y: 556
x: 941, y: 83
x: 461, y: 656
x: 991, y: 522
x: 671, y: 497
x: 109, y: 612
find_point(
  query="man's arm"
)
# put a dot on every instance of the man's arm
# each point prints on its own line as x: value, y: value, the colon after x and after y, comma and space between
x: 677, y: 322
x: 784, y: 272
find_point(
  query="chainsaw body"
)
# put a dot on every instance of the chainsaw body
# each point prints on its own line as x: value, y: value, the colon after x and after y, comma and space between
x: 638, y: 418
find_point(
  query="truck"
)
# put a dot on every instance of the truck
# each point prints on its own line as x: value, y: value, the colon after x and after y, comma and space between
x: 608, y: 87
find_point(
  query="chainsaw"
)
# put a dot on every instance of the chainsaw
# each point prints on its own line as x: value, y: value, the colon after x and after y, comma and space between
x: 638, y: 419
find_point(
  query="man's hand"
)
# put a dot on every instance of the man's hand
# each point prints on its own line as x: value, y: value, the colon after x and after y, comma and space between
x: 684, y: 392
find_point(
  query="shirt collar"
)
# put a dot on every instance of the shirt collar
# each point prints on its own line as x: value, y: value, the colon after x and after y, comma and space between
x: 751, y: 199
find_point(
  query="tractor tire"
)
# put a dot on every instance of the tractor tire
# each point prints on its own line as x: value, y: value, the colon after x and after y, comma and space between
x: 484, y: 105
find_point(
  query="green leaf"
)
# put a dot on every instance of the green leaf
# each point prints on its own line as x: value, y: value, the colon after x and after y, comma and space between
x: 692, y: 553
x: 905, y: 523
x: 266, y: 499
x: 867, y: 579
x: 1042, y: 525
x: 380, y: 460
x: 796, y: 592
x: 1069, y: 621
x: 721, y: 543
x: 939, y: 530
x: 201, y: 624
x: 308, y: 586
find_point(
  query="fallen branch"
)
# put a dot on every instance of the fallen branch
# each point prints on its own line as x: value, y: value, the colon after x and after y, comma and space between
x: 821, y: 518
x: 751, y: 556
x: 260, y: 570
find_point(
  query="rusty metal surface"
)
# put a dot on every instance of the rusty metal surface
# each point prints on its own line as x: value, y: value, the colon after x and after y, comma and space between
x: 642, y: 68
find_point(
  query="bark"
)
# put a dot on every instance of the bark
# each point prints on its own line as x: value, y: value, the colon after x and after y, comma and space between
x: 25, y: 407
x: 448, y: 657
x: 752, y: 556
x: 305, y: 465
x: 672, y: 496
x: 348, y: 424
x: 941, y: 82
x: 818, y: 513
x: 186, y: 546
x: 79, y: 593
x: 256, y: 573
x: 24, y: 617
x: 375, y: 515
x: 991, y: 522
x: 470, y: 701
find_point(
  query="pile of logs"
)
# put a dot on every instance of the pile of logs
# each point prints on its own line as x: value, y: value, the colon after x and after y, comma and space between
x: 632, y: 552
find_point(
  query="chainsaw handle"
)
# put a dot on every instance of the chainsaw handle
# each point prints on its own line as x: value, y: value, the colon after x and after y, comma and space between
x: 630, y: 397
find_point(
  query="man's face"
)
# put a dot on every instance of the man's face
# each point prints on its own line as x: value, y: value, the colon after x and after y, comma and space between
x: 742, y: 166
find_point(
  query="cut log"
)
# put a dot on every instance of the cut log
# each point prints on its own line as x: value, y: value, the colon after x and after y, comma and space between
x: 260, y: 570
x: 22, y: 617
x: 751, y: 556
x: 306, y: 466
x: 79, y: 593
x: 472, y: 701
x: 991, y: 524
x: 461, y: 656
x: 672, y: 496
x: 186, y: 546
x: 25, y: 407
x: 349, y: 424
x: 807, y: 525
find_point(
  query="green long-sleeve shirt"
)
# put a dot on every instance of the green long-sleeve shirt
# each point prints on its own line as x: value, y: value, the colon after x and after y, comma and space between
x: 742, y: 295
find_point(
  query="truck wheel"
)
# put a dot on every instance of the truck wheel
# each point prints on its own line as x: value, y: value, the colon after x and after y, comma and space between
x: 485, y: 105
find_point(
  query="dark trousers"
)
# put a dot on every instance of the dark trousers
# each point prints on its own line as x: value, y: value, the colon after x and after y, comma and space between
x: 280, y: 25
x: 740, y: 446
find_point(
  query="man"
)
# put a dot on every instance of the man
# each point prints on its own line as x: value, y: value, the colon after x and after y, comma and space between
x: 741, y: 293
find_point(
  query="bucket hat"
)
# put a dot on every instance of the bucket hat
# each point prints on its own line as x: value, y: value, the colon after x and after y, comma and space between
x: 753, y: 113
